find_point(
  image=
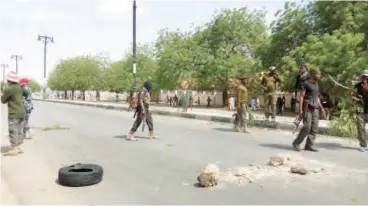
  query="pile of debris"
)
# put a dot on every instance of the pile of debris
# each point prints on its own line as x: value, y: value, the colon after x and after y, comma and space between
x: 277, y: 165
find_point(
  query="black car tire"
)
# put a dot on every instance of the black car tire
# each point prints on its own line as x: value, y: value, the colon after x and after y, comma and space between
x: 80, y: 175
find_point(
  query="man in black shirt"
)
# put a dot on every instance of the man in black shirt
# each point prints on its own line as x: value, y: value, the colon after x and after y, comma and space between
x: 300, y: 79
x: 362, y: 118
x: 309, y: 108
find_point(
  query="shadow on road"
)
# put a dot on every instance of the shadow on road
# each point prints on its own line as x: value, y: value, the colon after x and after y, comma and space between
x: 125, y: 136
x: 278, y: 146
x: 4, y: 149
x: 223, y: 129
x: 334, y: 146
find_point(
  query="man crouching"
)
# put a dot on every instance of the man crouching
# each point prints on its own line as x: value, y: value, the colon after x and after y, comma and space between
x: 143, y: 113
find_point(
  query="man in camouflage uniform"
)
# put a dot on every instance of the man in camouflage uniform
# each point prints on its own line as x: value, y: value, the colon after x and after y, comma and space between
x: 361, y: 89
x: 143, y: 112
x: 28, y: 106
x: 12, y: 96
x: 240, y: 124
x: 269, y: 81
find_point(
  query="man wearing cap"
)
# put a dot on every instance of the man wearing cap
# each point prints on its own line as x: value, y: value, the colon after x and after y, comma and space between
x: 362, y: 118
x: 143, y: 112
x: 13, y: 97
x: 28, y: 106
x: 268, y: 84
x: 240, y: 123
x: 309, y: 108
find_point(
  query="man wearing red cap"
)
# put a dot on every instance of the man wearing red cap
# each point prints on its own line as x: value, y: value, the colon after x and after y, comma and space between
x: 28, y: 106
x: 13, y: 96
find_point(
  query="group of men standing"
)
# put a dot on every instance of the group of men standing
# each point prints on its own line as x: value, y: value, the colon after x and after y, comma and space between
x: 18, y: 96
x: 309, y: 108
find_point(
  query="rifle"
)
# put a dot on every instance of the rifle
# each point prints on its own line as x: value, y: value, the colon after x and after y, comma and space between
x: 357, y: 98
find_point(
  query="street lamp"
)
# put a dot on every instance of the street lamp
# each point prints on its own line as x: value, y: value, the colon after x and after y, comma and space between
x: 4, y: 67
x: 16, y: 57
x: 46, y: 40
x: 134, y: 86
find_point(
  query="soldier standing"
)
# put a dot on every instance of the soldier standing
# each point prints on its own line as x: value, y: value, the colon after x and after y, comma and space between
x: 268, y: 83
x: 13, y: 97
x: 309, y: 108
x: 362, y: 118
x: 240, y: 123
x: 143, y: 113
x: 28, y: 106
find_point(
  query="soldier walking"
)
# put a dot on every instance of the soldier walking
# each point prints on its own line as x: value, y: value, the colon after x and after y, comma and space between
x: 362, y: 118
x: 240, y: 124
x: 28, y: 106
x: 13, y: 97
x: 269, y: 82
x: 143, y: 112
x: 309, y: 108
x: 300, y: 79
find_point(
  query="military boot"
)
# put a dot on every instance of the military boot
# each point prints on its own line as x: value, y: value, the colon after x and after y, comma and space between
x: 152, y: 135
x: 131, y: 137
x: 236, y: 129
x: 19, y: 150
x: 12, y: 152
x: 245, y: 129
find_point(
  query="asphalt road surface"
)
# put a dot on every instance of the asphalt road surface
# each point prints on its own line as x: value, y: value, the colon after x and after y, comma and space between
x: 164, y: 171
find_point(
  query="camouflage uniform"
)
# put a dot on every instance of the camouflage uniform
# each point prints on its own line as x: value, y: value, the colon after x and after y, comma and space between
x: 28, y: 107
x: 240, y: 123
x: 269, y: 82
x: 143, y: 113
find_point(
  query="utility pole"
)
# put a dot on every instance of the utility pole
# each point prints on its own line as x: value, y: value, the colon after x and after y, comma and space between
x: 134, y: 47
x: 16, y: 57
x: 46, y: 40
x: 3, y: 66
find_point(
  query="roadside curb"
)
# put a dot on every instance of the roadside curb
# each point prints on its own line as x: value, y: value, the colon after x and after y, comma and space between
x: 214, y: 118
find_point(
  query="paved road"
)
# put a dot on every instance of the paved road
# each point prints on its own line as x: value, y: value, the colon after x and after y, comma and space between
x: 164, y: 171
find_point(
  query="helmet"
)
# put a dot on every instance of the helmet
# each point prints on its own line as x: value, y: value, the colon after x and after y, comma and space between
x: 23, y: 81
x: 12, y: 77
x: 272, y: 68
x: 147, y: 84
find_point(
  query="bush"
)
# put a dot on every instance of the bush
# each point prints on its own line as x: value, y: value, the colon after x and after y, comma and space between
x: 345, y: 124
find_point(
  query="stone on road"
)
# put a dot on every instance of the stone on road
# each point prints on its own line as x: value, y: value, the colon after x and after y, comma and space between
x: 165, y: 171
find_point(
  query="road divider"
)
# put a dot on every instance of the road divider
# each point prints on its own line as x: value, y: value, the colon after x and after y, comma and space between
x: 223, y: 118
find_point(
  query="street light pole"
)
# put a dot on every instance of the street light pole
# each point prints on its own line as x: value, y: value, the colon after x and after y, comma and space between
x: 46, y: 40
x: 16, y: 57
x: 3, y: 66
x: 134, y: 86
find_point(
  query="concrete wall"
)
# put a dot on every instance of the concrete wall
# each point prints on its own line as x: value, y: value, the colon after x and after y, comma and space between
x: 216, y: 97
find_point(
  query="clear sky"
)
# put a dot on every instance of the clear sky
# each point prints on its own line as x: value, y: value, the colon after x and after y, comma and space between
x: 82, y: 27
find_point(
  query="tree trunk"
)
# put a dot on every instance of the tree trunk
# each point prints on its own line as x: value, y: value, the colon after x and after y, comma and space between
x: 98, y: 96
x: 84, y: 95
x: 225, y: 97
x: 72, y: 94
x: 117, y: 97
x: 65, y: 94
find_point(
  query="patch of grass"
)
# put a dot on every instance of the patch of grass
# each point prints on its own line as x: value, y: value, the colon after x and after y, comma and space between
x: 55, y: 127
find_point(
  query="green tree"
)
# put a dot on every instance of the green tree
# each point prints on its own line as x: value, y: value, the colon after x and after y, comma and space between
x: 233, y: 43
x: 34, y: 85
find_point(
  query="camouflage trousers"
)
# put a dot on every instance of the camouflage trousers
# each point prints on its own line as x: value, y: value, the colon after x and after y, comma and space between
x: 240, y: 121
x: 16, y: 133
x: 143, y: 117
x: 361, y: 120
x: 26, y: 119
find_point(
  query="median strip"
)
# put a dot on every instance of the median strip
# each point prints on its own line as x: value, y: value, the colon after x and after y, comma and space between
x: 206, y: 117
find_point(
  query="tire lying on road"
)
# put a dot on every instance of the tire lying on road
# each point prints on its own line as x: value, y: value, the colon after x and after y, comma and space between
x: 80, y: 175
